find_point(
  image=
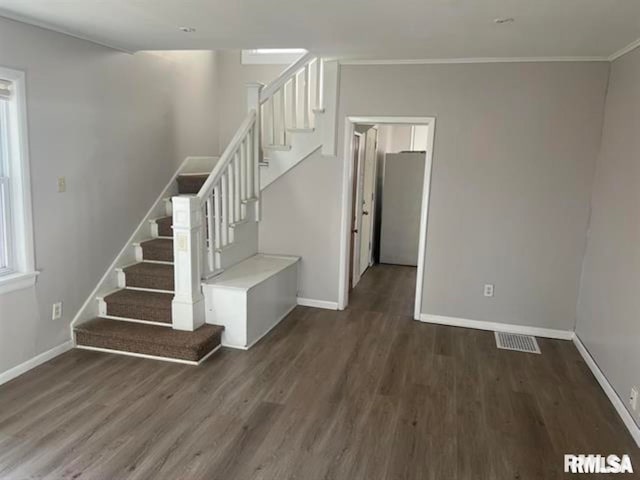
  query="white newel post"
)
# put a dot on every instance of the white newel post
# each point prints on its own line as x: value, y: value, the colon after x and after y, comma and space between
x: 187, y: 307
x: 253, y: 103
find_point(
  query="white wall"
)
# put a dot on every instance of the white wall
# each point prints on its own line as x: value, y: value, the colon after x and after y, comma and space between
x: 609, y: 303
x: 515, y: 149
x: 116, y: 125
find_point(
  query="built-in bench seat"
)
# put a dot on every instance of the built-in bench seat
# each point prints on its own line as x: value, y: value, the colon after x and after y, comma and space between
x: 251, y: 297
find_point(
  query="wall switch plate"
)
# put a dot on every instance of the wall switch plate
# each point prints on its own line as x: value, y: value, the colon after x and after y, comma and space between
x: 488, y: 290
x: 56, y: 312
x: 633, y: 399
x: 62, y: 184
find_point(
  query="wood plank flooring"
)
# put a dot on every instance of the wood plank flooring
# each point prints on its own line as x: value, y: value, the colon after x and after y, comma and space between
x: 366, y: 393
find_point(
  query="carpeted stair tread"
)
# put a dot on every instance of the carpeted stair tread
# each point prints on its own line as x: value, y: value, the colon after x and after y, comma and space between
x: 149, y: 339
x: 140, y: 305
x: 191, y: 184
x: 156, y: 276
x: 164, y: 226
x: 159, y: 249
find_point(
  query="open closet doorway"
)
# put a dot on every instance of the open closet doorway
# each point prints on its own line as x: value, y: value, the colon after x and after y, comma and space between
x: 386, y: 202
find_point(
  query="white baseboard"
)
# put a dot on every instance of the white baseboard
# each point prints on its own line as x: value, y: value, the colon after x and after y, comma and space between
x: 310, y: 302
x: 617, y: 402
x: 500, y: 327
x: 34, y: 362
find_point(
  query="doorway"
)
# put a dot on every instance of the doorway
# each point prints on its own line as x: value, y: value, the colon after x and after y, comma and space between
x: 379, y: 228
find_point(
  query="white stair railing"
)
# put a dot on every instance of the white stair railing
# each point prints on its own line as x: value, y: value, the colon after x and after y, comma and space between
x: 204, y: 224
x: 234, y: 184
x: 290, y: 102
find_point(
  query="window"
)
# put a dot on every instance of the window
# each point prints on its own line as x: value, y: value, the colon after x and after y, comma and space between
x: 273, y: 56
x: 16, y: 236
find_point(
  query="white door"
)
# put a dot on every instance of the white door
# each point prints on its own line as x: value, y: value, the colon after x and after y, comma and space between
x: 358, y: 164
x: 368, y: 179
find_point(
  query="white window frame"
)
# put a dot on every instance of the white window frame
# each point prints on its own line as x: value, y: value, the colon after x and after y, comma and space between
x: 21, y: 272
x: 272, y: 56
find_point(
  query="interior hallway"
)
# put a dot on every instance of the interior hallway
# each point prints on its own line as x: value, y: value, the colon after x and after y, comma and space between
x: 366, y: 393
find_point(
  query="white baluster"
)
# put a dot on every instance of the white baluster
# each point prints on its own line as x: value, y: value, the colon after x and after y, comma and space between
x: 305, y: 97
x: 281, y: 115
x: 216, y: 208
x: 232, y: 194
x: 253, y: 103
x: 236, y: 189
x: 243, y: 170
x: 319, y: 68
x: 294, y: 101
x: 225, y: 210
x: 210, y: 214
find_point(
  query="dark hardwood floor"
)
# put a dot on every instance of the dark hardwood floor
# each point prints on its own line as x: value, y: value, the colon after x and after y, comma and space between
x: 366, y: 393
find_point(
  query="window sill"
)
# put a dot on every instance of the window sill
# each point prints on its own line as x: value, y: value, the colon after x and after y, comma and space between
x: 17, y: 281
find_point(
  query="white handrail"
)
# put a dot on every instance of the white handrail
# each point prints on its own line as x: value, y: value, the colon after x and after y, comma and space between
x: 290, y: 71
x: 290, y: 103
x: 227, y: 157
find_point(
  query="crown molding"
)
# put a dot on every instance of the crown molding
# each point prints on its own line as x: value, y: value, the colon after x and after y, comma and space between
x: 47, y: 26
x: 449, y: 61
x: 623, y: 51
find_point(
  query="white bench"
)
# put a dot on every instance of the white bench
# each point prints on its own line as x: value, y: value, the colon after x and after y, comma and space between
x: 251, y: 297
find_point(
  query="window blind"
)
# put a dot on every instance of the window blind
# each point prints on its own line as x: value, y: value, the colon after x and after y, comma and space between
x: 5, y: 89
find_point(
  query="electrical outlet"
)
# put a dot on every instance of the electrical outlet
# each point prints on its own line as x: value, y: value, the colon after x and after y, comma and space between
x: 633, y: 398
x: 62, y: 184
x: 488, y: 290
x: 56, y: 312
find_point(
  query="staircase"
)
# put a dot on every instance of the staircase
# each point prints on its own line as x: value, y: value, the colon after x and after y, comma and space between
x: 137, y: 319
x: 150, y: 302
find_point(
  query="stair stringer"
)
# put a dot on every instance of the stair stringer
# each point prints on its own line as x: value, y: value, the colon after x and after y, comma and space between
x: 127, y: 256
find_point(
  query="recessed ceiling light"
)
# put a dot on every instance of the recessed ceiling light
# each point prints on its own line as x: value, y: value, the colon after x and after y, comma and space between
x: 501, y: 20
x: 187, y: 29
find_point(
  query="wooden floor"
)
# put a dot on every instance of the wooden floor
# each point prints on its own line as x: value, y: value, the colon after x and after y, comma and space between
x: 366, y: 393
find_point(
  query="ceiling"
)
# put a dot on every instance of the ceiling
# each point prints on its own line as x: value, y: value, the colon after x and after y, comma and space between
x: 385, y: 29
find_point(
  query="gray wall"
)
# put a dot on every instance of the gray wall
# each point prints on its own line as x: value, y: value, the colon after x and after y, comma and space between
x: 233, y: 79
x: 115, y: 125
x: 300, y: 218
x: 609, y: 302
x: 515, y: 149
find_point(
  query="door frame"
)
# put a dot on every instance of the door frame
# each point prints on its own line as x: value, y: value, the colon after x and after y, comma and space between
x: 347, y: 200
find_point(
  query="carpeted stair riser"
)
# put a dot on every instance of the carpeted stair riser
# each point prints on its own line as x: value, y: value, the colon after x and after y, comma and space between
x: 159, y: 249
x: 155, y: 277
x: 148, y: 339
x: 164, y: 226
x: 139, y: 305
x: 190, y: 184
